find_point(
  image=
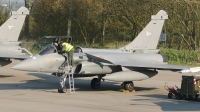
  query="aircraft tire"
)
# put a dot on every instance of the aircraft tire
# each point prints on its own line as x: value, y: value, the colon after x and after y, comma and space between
x: 170, y: 95
x: 95, y: 83
x: 197, y: 98
x: 179, y: 97
x: 190, y: 97
x: 62, y: 90
x: 59, y: 90
x: 129, y: 86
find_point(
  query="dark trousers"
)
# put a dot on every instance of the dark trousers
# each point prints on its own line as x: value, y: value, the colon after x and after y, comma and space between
x: 71, y: 56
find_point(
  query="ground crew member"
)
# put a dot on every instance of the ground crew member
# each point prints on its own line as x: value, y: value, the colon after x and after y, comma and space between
x: 68, y: 51
x: 57, y: 43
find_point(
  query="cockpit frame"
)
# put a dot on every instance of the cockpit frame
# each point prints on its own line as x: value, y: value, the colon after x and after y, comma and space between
x: 49, y: 49
x: 42, y: 42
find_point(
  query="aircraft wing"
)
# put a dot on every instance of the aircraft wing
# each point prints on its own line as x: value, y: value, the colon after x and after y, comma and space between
x: 136, y: 64
x: 14, y: 56
x: 153, y: 65
x: 101, y: 59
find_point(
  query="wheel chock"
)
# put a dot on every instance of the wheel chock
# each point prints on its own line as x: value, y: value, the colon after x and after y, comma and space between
x: 127, y: 91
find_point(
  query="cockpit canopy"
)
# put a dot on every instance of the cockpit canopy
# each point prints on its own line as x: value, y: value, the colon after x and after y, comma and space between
x: 49, y: 49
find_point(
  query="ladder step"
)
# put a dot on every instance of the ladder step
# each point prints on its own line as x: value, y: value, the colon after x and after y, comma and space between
x: 71, y: 80
x: 70, y: 75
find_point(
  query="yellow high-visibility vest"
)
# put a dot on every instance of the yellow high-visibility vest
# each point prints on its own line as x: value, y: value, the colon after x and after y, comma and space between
x: 68, y: 46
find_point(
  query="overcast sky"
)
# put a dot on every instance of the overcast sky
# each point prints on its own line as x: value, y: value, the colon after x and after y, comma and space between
x: 16, y: 4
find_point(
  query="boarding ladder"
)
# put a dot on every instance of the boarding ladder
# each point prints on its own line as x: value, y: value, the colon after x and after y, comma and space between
x: 71, y: 78
x: 70, y: 75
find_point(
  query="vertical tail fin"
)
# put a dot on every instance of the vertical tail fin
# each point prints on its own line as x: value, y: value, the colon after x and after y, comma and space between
x: 11, y: 29
x: 149, y: 36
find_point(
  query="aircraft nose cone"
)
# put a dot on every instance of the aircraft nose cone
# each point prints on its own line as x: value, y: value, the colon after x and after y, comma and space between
x: 19, y: 66
x: 27, y: 65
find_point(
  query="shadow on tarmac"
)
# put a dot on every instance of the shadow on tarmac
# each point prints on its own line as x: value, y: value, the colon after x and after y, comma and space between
x: 170, y: 104
x: 47, y: 82
x: 4, y: 76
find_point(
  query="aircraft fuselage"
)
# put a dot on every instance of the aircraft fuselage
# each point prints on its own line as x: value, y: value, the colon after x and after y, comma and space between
x: 84, y: 65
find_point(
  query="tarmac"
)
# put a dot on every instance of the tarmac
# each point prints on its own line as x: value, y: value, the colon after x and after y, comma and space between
x: 37, y: 92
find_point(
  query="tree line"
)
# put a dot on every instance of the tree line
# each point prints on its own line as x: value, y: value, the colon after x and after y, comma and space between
x: 102, y: 22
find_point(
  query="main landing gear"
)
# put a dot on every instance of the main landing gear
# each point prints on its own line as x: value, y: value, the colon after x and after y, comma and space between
x: 128, y: 86
x: 96, y: 82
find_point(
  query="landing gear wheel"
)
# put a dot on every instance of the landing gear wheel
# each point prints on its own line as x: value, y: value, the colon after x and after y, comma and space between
x: 197, y: 97
x: 59, y: 89
x: 95, y: 83
x: 129, y: 86
x: 62, y: 90
x: 184, y: 97
x: 170, y: 95
x: 179, y: 97
x: 190, y: 97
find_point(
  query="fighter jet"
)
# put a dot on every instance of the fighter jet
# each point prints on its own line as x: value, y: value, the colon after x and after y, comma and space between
x: 9, y: 34
x: 136, y: 61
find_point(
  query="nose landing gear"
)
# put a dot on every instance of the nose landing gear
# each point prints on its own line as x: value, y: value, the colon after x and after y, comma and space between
x: 62, y: 88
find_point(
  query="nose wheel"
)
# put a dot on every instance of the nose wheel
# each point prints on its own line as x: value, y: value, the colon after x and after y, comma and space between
x: 95, y: 83
x: 62, y: 90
